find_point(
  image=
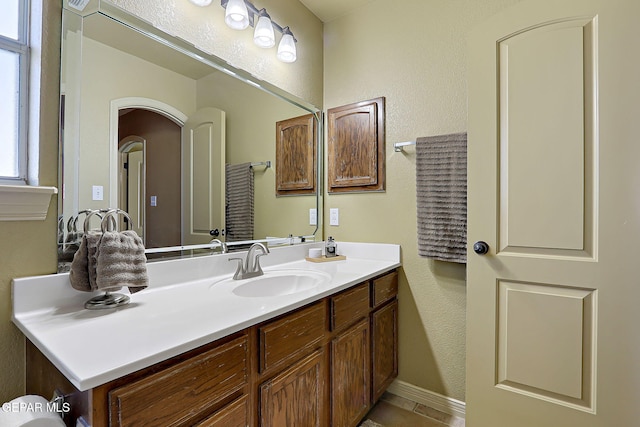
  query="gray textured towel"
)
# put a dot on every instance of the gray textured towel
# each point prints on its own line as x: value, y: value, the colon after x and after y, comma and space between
x: 441, y: 185
x: 120, y: 261
x: 239, y: 202
x: 83, y: 267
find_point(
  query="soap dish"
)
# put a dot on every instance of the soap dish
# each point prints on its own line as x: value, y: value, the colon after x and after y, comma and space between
x: 326, y: 259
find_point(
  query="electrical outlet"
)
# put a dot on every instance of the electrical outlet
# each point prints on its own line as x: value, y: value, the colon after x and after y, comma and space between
x: 154, y: 201
x: 313, y: 216
x: 334, y: 216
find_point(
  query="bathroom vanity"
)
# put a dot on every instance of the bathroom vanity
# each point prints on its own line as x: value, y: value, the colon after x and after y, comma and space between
x: 222, y: 355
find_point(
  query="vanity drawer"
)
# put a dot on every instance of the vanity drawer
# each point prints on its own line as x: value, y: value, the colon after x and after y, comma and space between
x: 349, y: 306
x: 289, y: 337
x: 235, y: 414
x: 176, y: 394
x: 385, y: 288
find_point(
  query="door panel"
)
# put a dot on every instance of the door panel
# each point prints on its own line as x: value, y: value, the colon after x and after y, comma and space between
x: 545, y: 338
x: 541, y: 81
x: 203, y: 171
x: 553, y: 184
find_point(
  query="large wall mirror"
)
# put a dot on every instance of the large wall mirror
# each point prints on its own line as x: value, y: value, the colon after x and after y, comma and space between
x: 173, y: 136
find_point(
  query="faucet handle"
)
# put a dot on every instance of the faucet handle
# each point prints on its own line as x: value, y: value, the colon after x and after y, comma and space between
x: 240, y: 270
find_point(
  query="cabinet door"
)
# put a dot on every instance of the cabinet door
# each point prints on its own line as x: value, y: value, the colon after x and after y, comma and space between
x: 296, y: 156
x: 350, y: 374
x: 296, y: 397
x: 384, y: 339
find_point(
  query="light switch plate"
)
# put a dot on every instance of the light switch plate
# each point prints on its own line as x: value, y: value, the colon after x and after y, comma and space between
x: 97, y: 192
x: 313, y: 216
x: 334, y: 216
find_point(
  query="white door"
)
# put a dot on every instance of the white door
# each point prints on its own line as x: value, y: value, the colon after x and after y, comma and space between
x: 553, y: 314
x: 135, y: 191
x: 203, y: 171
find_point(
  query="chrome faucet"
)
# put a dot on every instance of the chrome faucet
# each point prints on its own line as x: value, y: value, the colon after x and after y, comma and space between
x: 223, y: 245
x: 251, y: 265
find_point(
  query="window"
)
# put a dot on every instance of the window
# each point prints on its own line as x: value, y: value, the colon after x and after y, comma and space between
x: 14, y: 67
x: 21, y: 30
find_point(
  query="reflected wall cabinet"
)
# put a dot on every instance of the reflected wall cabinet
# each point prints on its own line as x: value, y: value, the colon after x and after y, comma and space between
x: 296, y: 156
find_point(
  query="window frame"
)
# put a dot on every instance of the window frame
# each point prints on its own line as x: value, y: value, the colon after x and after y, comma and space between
x: 22, y: 48
x: 22, y: 198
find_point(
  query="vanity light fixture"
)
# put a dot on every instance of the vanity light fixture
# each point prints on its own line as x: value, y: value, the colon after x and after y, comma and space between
x: 239, y: 14
x: 287, y: 47
x: 263, y: 35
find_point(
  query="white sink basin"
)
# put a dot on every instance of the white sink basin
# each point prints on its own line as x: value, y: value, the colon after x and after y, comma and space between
x: 280, y: 282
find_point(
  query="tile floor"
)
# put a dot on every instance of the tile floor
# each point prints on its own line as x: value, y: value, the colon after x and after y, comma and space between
x: 395, y: 411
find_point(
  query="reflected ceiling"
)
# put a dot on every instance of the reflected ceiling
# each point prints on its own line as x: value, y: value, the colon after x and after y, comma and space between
x: 328, y: 10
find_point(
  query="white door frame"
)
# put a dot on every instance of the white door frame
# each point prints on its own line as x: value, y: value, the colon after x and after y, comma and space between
x: 156, y: 106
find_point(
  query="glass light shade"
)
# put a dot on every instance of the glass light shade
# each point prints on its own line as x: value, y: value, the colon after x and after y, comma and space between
x: 287, y: 48
x: 201, y: 3
x: 237, y: 15
x: 264, y: 36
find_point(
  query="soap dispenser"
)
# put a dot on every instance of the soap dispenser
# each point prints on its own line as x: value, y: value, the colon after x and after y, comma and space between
x: 331, y: 248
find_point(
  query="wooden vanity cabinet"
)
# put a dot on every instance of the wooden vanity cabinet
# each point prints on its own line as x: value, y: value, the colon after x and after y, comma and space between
x: 384, y: 346
x: 291, y: 383
x: 384, y: 332
x: 324, y: 364
x: 296, y: 396
x: 350, y: 375
x: 184, y: 393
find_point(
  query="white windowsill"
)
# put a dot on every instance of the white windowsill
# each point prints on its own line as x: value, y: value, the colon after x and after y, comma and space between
x: 25, y: 203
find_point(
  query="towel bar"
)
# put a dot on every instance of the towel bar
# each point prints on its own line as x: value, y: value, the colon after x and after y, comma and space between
x: 266, y: 164
x: 398, y: 146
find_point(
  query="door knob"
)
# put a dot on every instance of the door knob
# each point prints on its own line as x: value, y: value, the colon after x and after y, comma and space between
x: 480, y: 247
x: 214, y: 233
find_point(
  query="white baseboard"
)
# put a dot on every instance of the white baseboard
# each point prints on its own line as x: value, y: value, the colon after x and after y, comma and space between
x: 428, y: 398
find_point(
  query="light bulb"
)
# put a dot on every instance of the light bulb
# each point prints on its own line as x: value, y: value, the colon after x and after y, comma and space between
x: 287, y: 47
x: 263, y: 35
x: 201, y: 3
x: 237, y: 15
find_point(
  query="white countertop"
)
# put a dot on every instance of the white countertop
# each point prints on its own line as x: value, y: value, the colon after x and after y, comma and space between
x: 181, y: 310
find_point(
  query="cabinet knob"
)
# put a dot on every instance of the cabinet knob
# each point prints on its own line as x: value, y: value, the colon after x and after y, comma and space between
x: 480, y: 247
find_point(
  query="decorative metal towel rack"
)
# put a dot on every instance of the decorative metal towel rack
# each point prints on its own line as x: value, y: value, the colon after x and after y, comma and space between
x: 398, y: 146
x: 108, y: 299
x: 267, y: 164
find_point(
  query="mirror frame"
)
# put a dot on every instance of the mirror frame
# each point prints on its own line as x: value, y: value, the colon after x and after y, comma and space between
x: 132, y: 22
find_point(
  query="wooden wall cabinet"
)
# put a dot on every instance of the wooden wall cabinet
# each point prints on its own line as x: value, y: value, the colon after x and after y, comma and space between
x: 324, y: 364
x: 356, y: 147
x: 296, y: 156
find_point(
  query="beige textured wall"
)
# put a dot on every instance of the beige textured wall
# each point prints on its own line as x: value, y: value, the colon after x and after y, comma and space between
x: 205, y: 28
x: 28, y: 248
x: 413, y: 52
x: 120, y: 75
